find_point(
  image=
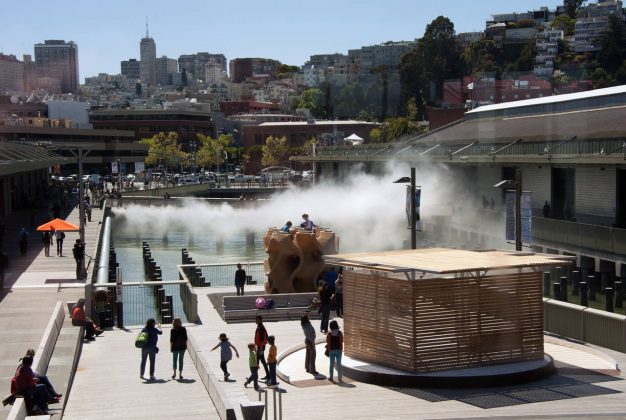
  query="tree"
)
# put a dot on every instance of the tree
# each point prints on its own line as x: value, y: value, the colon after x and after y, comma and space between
x: 164, y: 149
x: 565, y: 24
x: 275, y: 151
x: 571, y: 7
x: 251, y: 154
x: 613, y: 50
x: 211, y: 151
x: 436, y: 58
x: 313, y: 100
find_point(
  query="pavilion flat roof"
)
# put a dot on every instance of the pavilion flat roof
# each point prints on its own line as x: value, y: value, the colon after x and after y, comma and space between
x: 445, y: 261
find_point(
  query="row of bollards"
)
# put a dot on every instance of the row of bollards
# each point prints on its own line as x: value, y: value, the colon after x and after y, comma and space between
x: 164, y: 302
x: 194, y: 274
x: 585, y: 284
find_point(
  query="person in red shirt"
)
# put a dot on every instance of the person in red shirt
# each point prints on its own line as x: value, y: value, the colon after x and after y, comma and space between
x: 80, y: 320
x: 260, y: 340
x: 27, y: 384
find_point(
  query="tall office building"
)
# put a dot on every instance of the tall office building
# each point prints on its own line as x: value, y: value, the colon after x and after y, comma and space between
x: 131, y: 68
x: 165, y: 68
x: 58, y: 60
x: 147, y: 57
x: 11, y: 74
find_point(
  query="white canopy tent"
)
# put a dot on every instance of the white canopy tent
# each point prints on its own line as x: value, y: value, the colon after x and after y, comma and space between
x: 353, y: 139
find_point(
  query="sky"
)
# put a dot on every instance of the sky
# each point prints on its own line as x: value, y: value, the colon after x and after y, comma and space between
x: 108, y: 32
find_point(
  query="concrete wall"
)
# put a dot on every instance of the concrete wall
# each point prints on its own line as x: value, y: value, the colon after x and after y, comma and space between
x: 595, y: 194
x: 539, y: 181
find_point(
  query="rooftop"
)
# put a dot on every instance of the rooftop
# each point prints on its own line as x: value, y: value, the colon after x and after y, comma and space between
x: 297, y: 123
x: 445, y: 261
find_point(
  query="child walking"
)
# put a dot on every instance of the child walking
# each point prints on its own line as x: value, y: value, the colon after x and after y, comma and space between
x: 225, y: 353
x: 271, y: 360
x: 254, y: 367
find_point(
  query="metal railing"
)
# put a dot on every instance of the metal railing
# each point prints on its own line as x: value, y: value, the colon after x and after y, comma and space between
x: 599, y: 238
x: 601, y: 328
x: 143, y: 300
x: 222, y: 275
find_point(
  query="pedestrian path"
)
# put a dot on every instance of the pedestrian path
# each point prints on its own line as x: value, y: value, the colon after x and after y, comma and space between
x: 107, y: 383
x: 33, y: 285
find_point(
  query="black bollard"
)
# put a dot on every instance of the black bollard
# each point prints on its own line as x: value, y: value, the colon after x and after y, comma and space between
x: 546, y: 284
x: 619, y: 295
x: 563, y: 288
x: 608, y: 303
x: 591, y: 281
x: 575, y: 282
x: 583, y: 294
x: 557, y: 291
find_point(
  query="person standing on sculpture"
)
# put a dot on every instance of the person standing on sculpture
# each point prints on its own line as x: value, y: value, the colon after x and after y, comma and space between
x: 240, y: 279
x: 260, y: 340
x: 286, y: 227
x: 307, y: 223
x: 309, y: 342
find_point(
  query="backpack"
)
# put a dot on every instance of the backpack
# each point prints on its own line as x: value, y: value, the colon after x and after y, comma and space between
x: 270, y: 304
x: 141, y: 340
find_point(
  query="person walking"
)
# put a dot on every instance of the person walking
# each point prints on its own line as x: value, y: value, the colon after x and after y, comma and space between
x: 254, y: 367
x: 240, y: 279
x: 260, y: 340
x: 272, y: 360
x: 339, y: 296
x: 46, y: 239
x: 150, y: 349
x: 79, y: 256
x: 309, y: 342
x: 325, y: 294
x: 22, y: 240
x: 178, y: 346
x: 334, y: 345
x: 226, y: 354
x: 60, y: 236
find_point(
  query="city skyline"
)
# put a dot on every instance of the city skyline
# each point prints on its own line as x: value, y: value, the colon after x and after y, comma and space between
x: 105, y: 37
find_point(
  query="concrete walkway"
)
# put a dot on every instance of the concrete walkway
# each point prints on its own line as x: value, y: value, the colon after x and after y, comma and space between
x: 33, y: 285
x: 107, y: 383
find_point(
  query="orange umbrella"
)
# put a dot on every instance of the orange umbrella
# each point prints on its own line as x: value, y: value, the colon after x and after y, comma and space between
x: 60, y: 225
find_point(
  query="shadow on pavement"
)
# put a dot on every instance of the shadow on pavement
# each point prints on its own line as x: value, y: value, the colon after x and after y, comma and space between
x: 569, y: 382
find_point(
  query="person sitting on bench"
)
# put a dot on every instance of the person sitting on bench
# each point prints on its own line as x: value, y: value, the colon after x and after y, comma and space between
x: 43, y: 379
x: 26, y: 384
x: 80, y: 320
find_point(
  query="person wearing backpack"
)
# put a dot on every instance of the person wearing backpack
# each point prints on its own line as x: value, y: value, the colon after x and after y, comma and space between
x: 150, y: 348
x: 178, y: 346
x: 334, y: 347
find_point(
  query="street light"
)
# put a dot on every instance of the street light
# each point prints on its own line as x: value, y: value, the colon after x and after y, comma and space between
x: 517, y: 186
x: 406, y: 180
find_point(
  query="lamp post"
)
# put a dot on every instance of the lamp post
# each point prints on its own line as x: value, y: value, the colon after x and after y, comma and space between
x: 516, y: 184
x: 412, y: 212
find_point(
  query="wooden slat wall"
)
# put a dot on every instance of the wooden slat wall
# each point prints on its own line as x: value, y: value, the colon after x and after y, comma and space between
x: 439, y: 324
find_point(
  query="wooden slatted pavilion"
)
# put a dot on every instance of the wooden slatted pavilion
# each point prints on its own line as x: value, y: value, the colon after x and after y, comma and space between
x: 438, y: 309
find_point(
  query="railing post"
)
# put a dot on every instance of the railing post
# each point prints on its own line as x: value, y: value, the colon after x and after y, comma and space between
x: 583, y: 294
x: 608, y: 302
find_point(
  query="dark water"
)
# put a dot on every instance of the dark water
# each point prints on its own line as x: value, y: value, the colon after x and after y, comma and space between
x: 204, y: 249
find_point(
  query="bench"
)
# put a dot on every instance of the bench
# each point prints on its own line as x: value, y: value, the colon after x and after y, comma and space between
x: 286, y: 306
